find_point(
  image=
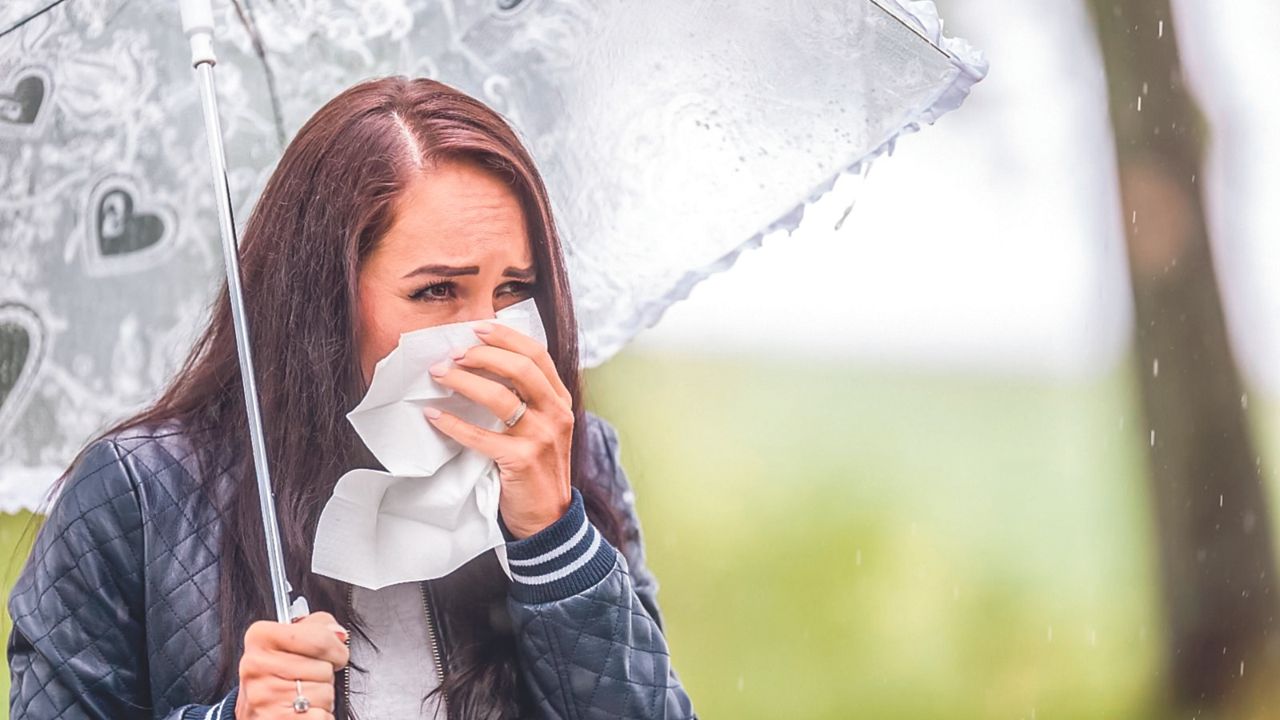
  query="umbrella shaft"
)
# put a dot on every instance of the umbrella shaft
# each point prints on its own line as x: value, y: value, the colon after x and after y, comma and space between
x: 226, y: 223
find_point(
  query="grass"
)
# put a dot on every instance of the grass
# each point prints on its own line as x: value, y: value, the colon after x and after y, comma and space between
x: 846, y: 542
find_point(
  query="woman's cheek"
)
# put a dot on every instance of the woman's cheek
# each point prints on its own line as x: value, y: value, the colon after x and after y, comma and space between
x: 379, y: 348
x: 375, y: 343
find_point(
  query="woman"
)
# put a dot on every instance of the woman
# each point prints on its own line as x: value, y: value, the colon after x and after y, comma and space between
x: 401, y: 204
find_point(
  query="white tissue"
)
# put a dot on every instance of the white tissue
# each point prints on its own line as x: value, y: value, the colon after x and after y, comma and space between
x: 437, y: 506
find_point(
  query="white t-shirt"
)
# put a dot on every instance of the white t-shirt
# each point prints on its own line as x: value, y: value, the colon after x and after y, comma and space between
x: 400, y: 673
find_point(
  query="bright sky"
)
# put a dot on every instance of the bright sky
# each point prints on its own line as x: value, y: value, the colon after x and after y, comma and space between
x: 992, y: 240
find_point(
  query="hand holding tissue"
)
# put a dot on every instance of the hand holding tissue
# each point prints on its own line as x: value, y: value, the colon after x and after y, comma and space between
x: 436, y: 505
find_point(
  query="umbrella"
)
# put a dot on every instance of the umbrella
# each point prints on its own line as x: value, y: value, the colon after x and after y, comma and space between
x: 673, y: 134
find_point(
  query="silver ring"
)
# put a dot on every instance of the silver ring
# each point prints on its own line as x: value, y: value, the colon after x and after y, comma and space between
x: 515, y: 416
x: 301, y: 704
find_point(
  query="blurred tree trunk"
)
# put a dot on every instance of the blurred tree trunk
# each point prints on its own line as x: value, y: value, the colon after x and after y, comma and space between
x: 1210, y: 510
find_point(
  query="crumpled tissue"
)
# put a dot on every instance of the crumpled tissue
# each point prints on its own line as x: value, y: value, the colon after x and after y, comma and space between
x: 436, y: 506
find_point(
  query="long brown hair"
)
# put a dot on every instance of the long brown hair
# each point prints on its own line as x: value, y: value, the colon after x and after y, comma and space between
x: 324, y: 209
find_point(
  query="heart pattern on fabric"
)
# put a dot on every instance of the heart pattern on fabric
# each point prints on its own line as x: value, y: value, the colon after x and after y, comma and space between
x: 119, y: 230
x: 125, y: 229
x: 21, y: 341
x: 24, y: 100
x: 22, y: 105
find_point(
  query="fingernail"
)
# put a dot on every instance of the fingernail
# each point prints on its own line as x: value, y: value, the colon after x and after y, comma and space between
x: 439, y: 369
x: 341, y: 633
x: 482, y: 328
x: 458, y: 353
x: 431, y: 413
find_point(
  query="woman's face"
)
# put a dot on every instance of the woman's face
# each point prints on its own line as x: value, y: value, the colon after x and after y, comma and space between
x: 457, y: 250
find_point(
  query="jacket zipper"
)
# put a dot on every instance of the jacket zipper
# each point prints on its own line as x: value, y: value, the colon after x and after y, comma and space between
x: 425, y: 588
x: 432, y: 636
x: 346, y: 671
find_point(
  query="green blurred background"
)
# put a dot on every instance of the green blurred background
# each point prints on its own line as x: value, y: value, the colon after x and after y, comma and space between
x: 839, y: 541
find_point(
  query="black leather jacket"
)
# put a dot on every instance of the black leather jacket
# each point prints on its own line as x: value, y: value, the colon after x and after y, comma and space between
x: 115, y: 614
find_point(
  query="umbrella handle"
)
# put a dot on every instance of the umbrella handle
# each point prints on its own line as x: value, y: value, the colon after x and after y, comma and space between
x: 197, y: 24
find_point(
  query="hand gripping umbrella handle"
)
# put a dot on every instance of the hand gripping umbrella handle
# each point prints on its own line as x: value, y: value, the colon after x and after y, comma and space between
x: 197, y: 24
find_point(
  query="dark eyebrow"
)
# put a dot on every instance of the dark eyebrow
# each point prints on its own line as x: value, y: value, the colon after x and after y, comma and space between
x: 525, y: 274
x: 444, y: 270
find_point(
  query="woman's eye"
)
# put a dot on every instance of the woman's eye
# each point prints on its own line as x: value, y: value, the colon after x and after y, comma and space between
x: 518, y: 288
x: 437, y: 292
x: 434, y: 292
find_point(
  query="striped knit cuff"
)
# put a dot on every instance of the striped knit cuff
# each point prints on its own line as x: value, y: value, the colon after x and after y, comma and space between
x: 561, y: 560
x: 224, y: 710
x: 228, y: 704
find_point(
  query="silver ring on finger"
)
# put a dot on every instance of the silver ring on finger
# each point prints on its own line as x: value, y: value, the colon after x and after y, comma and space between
x: 300, y: 703
x: 515, y: 416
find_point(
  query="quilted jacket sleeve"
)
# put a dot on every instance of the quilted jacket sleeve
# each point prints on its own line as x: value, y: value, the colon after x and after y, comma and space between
x: 591, y: 643
x: 77, y: 648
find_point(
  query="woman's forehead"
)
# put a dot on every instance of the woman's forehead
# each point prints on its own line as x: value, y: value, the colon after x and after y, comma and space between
x: 458, y: 210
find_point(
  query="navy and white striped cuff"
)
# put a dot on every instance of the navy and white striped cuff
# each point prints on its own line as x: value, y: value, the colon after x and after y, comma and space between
x: 561, y: 560
x: 224, y: 710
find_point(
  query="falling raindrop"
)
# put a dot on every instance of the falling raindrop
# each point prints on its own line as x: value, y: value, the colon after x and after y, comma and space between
x: 1155, y: 368
x: 1139, y: 103
x: 844, y: 216
x: 857, y: 557
x: 1241, y: 668
x: 1220, y: 496
x: 1153, y: 438
x: 1161, y: 30
x: 1050, y: 633
x: 1244, y: 401
x: 741, y: 683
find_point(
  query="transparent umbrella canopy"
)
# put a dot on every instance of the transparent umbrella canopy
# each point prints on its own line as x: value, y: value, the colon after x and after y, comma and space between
x: 672, y: 135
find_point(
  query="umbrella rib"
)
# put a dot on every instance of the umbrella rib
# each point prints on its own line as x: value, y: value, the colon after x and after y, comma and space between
x: 915, y: 31
x: 31, y: 17
x: 245, y: 13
